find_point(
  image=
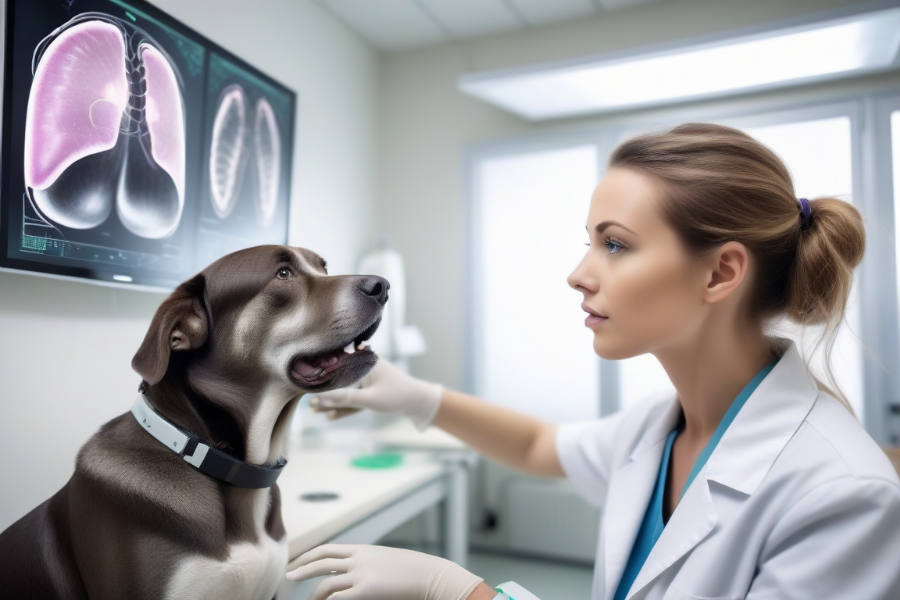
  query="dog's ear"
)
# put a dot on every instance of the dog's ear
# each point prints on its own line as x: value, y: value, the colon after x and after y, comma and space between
x: 180, y: 323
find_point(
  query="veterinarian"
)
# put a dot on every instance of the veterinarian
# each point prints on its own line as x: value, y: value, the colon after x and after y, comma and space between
x: 754, y: 480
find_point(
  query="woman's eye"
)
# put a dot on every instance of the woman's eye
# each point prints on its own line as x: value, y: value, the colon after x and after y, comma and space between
x: 284, y: 273
x: 614, y: 247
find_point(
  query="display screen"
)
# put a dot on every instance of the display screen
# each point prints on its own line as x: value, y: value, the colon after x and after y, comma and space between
x: 135, y: 151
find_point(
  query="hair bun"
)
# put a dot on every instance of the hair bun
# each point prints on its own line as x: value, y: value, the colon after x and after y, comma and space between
x: 829, y: 249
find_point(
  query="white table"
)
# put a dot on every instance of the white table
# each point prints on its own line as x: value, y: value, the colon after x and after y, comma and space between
x: 372, y: 502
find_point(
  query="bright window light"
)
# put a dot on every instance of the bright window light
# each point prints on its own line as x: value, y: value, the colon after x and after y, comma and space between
x: 829, y: 49
x: 534, y: 353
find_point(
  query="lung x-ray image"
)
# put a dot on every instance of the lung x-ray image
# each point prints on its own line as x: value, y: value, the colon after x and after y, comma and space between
x: 134, y: 149
x: 105, y: 128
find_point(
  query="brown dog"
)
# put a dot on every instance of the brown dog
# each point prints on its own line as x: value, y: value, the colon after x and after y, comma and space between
x: 225, y: 360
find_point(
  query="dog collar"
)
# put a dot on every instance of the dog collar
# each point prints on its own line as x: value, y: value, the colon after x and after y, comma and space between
x: 207, y: 460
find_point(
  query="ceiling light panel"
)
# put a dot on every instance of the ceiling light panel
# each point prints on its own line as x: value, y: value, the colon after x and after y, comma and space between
x: 388, y: 24
x: 469, y: 18
x: 827, y: 50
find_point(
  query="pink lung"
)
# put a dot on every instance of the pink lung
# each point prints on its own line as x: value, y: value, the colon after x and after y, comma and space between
x: 148, y: 212
x: 106, y: 129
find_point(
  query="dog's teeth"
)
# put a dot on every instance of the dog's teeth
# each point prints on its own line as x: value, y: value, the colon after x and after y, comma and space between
x: 363, y: 344
x: 350, y: 349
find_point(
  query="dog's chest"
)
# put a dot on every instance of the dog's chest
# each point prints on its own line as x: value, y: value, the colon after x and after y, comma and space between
x: 252, y: 571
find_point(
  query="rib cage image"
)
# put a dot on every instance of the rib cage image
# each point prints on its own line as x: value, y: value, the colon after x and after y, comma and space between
x: 236, y: 137
x: 228, y: 151
x: 268, y: 161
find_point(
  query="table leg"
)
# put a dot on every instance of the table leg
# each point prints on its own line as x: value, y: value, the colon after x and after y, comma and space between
x: 456, y: 513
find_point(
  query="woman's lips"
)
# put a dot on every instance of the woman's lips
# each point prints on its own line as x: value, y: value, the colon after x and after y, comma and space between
x: 593, y: 320
x: 593, y: 316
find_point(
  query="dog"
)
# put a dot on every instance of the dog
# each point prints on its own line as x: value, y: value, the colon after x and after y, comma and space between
x: 225, y: 361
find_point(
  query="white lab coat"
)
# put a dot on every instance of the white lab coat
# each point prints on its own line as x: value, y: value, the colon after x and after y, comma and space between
x: 796, y: 501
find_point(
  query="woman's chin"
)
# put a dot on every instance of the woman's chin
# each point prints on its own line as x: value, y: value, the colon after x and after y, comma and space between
x: 608, y: 349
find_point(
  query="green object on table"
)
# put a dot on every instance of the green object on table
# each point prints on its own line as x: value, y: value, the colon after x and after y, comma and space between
x: 377, y: 461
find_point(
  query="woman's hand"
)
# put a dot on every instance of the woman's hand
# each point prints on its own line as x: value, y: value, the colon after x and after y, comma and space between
x: 387, y: 390
x: 509, y: 437
x: 381, y: 573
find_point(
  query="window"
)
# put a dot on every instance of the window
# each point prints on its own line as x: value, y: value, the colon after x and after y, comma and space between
x: 531, y: 349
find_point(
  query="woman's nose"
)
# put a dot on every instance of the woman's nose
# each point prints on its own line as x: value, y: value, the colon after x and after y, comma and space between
x: 580, y: 279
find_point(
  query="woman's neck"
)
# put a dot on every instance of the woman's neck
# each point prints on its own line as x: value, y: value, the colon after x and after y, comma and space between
x: 711, y: 370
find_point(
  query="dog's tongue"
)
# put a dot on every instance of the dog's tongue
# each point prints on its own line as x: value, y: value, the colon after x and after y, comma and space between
x: 316, y: 367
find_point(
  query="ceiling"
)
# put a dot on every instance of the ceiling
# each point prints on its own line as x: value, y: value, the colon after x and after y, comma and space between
x: 391, y: 25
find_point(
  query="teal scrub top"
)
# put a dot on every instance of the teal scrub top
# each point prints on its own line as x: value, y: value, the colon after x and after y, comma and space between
x: 652, y: 525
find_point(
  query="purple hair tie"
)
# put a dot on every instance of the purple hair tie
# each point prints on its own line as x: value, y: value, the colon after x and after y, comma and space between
x: 805, y: 211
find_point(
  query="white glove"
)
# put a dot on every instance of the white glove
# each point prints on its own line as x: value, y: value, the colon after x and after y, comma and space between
x: 387, y: 390
x: 381, y: 573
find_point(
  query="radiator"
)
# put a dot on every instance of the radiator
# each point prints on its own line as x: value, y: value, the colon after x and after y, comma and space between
x: 548, y: 518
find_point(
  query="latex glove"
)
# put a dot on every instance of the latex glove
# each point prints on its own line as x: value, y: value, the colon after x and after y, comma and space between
x: 386, y: 389
x: 381, y: 573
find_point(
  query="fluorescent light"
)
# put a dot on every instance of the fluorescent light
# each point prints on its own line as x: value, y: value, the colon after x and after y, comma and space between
x: 829, y: 49
x: 124, y: 278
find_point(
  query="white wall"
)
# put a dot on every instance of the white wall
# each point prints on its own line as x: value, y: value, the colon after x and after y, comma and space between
x: 427, y: 125
x: 66, y: 347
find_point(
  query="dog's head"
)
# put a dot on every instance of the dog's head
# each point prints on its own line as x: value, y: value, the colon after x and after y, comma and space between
x: 263, y: 322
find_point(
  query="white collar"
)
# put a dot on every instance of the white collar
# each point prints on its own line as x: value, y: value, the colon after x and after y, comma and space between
x: 207, y: 460
x: 765, y: 424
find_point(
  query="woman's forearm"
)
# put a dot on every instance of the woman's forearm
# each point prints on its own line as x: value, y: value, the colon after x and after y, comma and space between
x: 508, y: 437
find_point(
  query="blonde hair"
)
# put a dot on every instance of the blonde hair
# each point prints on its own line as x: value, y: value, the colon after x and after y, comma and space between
x: 719, y: 184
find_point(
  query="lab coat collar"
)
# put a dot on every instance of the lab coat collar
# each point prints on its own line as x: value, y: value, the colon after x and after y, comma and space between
x: 693, y: 519
x: 659, y: 425
x: 765, y: 424
x: 635, y: 480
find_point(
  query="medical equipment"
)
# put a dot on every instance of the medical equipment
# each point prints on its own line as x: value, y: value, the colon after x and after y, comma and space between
x: 394, y: 341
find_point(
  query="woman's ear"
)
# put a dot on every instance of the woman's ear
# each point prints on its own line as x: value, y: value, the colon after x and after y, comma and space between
x: 180, y: 323
x: 729, y: 267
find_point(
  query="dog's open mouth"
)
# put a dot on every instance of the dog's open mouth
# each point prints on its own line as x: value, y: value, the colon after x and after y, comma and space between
x: 318, y: 369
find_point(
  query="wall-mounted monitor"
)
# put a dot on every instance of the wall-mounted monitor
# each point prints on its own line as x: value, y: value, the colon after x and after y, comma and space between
x: 135, y: 151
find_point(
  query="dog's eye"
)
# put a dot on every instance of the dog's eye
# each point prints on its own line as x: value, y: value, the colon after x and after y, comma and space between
x: 284, y: 273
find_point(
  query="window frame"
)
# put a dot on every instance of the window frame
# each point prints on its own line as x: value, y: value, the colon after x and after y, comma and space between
x: 882, y: 330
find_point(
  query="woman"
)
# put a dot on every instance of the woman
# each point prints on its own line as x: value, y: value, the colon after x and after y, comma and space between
x: 753, y: 481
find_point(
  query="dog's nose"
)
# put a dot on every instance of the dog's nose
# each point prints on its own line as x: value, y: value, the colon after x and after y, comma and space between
x: 376, y: 287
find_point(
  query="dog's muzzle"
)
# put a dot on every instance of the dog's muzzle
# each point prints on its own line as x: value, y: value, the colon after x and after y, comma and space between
x: 316, y: 370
